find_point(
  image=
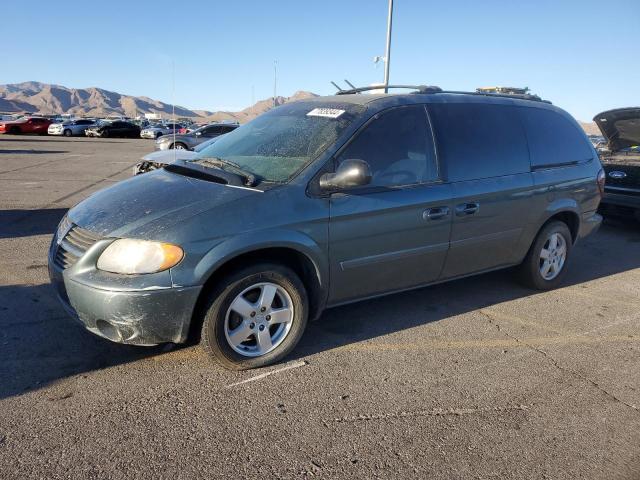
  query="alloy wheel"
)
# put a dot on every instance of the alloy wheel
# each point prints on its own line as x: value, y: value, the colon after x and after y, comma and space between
x: 553, y: 256
x: 258, y: 319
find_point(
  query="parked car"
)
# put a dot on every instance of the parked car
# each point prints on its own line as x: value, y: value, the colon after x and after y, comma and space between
x: 323, y: 202
x: 190, y: 140
x: 26, y: 125
x: 621, y: 160
x: 191, y: 128
x: 114, y: 129
x: 157, y: 131
x: 162, y: 158
x: 70, y: 128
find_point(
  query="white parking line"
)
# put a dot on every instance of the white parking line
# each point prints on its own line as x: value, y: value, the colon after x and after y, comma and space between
x: 272, y: 372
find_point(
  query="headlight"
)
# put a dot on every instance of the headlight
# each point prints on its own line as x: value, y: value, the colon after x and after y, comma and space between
x: 130, y: 257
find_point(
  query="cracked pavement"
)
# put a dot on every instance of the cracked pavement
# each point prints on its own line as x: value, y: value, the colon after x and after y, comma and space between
x: 479, y: 378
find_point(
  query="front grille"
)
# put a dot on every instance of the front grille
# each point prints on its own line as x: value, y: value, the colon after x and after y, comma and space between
x: 73, y: 246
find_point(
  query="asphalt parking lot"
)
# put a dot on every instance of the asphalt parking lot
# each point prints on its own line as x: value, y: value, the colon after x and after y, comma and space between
x: 478, y: 378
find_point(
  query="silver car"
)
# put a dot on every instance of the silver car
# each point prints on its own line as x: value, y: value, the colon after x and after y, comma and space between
x: 156, y: 131
x: 189, y: 141
x: 162, y: 158
x: 70, y: 128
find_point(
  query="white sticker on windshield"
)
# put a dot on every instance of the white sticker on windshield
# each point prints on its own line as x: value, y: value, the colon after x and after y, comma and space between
x: 325, y: 112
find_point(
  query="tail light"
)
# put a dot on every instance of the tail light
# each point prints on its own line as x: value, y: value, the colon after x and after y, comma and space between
x: 600, y: 181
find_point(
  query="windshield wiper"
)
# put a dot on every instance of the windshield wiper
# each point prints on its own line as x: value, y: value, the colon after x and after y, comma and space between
x: 248, y: 178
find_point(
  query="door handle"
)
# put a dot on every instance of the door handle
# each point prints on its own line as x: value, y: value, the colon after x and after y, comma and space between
x: 467, y: 209
x: 435, y: 213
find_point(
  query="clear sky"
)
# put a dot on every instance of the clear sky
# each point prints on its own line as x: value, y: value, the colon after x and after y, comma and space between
x: 580, y: 54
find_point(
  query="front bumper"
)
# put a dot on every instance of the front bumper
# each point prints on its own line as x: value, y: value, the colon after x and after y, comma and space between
x: 148, y: 316
x: 625, y: 204
x: 622, y: 197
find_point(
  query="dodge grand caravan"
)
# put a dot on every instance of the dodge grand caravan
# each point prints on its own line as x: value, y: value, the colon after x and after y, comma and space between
x: 323, y: 202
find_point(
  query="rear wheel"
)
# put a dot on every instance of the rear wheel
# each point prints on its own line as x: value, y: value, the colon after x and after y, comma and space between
x: 105, y: 134
x: 67, y: 133
x: 544, y: 267
x: 255, y: 317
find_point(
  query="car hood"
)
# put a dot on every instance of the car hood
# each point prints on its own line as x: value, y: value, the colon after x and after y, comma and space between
x: 148, y: 206
x: 621, y: 127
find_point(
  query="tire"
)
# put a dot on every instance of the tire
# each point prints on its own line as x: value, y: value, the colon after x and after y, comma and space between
x: 67, y: 133
x: 531, y: 271
x: 245, y: 287
x: 105, y: 134
x: 178, y: 146
x: 15, y: 131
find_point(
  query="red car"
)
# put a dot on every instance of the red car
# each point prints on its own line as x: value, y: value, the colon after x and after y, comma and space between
x: 26, y: 125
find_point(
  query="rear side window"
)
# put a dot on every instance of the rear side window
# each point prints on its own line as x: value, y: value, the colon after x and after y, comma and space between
x: 553, y: 139
x: 479, y: 140
x: 213, y: 131
x: 398, y: 147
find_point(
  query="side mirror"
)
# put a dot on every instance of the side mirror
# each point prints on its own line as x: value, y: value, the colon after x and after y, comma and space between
x: 350, y: 174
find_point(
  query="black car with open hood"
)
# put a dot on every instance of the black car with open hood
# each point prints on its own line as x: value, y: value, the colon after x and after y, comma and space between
x: 621, y: 160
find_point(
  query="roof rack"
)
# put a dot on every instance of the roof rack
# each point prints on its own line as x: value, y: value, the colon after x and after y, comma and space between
x: 510, y: 90
x: 418, y: 88
x: 521, y: 96
x: 505, y: 92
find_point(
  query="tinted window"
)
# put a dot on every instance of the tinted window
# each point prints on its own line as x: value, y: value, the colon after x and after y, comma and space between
x: 212, y: 131
x: 479, y: 140
x: 397, y: 146
x: 553, y: 139
x: 84, y: 122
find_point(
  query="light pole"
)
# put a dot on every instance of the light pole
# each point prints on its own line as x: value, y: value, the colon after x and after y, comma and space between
x: 275, y: 80
x: 387, y: 57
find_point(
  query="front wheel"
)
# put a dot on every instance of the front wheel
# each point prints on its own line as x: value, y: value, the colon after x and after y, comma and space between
x: 255, y: 317
x: 67, y: 133
x: 178, y: 146
x: 544, y: 267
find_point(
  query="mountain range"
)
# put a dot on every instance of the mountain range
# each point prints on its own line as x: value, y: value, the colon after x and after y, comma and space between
x: 43, y: 98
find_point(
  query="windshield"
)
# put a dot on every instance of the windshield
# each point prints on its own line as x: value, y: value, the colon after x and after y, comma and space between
x: 278, y: 144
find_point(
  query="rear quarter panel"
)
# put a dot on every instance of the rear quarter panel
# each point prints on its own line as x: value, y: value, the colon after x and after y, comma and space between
x: 561, y: 189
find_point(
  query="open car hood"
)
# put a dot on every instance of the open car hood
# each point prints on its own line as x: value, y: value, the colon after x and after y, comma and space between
x: 621, y: 127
